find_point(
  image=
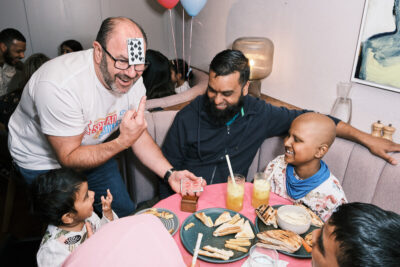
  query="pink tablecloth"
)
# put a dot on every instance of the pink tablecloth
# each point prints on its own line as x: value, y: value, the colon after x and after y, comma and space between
x: 214, y: 197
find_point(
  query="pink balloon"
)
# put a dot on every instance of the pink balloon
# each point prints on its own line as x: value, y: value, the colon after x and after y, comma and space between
x: 168, y: 4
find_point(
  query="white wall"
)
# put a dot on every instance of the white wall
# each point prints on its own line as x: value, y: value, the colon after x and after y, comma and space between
x: 47, y: 23
x: 315, y: 43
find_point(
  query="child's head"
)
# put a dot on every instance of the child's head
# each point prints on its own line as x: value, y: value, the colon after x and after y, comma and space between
x: 180, y: 71
x: 310, y: 136
x: 61, y: 197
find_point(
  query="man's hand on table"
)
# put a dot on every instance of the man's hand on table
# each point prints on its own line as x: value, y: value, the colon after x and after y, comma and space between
x: 176, y: 177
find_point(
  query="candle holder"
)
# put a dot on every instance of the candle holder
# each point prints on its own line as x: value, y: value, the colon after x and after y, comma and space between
x: 260, y: 52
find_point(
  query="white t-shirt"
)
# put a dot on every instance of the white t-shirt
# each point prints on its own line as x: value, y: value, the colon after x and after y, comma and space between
x: 65, y: 98
x: 323, y: 199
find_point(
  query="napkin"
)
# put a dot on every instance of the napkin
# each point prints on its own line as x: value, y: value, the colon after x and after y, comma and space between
x: 281, y: 263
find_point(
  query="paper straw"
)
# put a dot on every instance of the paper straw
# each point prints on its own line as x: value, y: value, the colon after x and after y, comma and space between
x: 196, y: 249
x: 230, y: 168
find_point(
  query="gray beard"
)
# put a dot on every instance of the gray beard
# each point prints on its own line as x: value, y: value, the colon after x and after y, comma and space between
x: 107, y: 77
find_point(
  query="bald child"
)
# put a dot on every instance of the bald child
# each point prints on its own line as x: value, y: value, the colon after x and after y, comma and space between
x: 301, y: 175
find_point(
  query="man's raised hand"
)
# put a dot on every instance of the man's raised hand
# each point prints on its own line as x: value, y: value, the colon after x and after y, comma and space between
x: 133, y: 125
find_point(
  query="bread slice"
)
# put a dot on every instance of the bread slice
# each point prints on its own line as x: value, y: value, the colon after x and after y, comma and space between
x: 228, y: 228
x: 281, y: 238
x: 308, y: 239
x: 224, y: 252
x: 267, y: 214
x: 205, y: 219
x: 213, y: 255
x: 239, y: 242
x: 315, y: 220
x: 246, y: 233
x: 223, y: 218
x: 234, y: 219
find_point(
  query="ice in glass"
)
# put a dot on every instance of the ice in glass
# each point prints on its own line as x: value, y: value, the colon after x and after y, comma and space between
x: 235, y: 193
x: 261, y: 189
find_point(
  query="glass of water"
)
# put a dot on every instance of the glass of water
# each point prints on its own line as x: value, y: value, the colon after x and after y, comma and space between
x: 263, y: 257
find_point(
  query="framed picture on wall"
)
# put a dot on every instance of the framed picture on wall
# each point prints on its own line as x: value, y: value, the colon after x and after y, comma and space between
x: 377, y: 60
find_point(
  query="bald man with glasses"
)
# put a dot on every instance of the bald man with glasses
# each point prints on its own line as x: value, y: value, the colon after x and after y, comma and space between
x: 73, y: 103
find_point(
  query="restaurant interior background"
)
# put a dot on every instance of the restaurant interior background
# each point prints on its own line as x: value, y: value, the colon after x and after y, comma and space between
x: 315, y: 42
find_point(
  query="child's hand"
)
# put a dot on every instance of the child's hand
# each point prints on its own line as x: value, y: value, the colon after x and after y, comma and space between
x: 89, y: 229
x: 106, y: 205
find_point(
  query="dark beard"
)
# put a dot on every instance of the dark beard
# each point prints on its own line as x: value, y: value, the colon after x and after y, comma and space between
x: 7, y: 58
x: 221, y: 117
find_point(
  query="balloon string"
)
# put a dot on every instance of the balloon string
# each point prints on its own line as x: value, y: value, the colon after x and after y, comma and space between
x: 183, y: 34
x: 173, y: 37
x: 190, y: 43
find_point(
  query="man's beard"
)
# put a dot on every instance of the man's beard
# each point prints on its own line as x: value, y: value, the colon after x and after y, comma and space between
x: 108, y: 80
x: 8, y: 58
x: 221, y: 117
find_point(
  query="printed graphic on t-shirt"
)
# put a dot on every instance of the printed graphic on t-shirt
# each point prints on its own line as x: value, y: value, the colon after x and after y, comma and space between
x: 104, y: 126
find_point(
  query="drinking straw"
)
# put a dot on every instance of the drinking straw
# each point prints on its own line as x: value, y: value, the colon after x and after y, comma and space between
x: 196, y: 249
x: 230, y: 168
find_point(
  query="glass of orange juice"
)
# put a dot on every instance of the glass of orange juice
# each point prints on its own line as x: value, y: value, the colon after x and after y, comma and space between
x: 235, y: 192
x: 261, y: 189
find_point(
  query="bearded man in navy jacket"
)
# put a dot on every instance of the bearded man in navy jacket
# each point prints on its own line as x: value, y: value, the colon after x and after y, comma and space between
x: 226, y: 120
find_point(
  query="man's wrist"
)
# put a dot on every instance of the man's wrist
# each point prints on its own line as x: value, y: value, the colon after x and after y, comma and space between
x: 168, y: 174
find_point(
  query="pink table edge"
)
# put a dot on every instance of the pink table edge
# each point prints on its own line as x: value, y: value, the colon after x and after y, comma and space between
x: 216, y: 194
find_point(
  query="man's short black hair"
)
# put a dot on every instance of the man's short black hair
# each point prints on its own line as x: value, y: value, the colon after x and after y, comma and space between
x: 107, y: 27
x: 7, y: 36
x: 54, y: 194
x: 368, y: 236
x: 229, y: 61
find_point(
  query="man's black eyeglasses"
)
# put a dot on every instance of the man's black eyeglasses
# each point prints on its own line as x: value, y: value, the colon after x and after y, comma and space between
x: 124, y: 64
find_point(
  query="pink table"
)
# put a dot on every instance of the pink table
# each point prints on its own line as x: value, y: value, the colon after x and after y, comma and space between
x: 214, y: 197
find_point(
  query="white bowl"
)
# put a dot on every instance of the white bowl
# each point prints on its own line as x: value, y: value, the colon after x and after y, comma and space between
x: 293, y: 218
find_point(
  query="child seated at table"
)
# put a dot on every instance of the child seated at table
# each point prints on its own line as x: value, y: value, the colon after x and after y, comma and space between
x: 181, y: 75
x: 62, y: 200
x: 300, y: 175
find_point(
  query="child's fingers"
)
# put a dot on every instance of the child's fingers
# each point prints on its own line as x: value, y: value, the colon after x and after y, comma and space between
x: 109, y: 195
x: 89, y: 229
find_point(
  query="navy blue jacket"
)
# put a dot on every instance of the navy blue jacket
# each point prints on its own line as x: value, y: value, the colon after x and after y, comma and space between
x: 194, y: 142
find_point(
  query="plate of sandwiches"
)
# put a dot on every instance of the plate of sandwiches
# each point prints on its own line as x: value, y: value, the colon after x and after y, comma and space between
x: 167, y: 217
x: 287, y: 242
x: 227, y: 235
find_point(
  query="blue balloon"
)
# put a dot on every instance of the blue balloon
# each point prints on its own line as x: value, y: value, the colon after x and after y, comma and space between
x: 193, y: 7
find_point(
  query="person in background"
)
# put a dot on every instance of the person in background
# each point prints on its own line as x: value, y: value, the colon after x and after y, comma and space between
x: 157, y: 77
x: 301, y: 175
x: 9, y: 102
x: 181, y: 74
x: 358, y: 235
x: 62, y: 200
x: 12, y: 50
x: 69, y: 46
x: 74, y: 103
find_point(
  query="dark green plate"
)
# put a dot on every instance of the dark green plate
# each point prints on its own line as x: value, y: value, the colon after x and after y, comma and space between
x: 172, y: 223
x: 301, y: 253
x: 189, y: 237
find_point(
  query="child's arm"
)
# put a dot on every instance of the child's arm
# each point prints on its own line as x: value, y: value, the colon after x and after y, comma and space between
x: 106, y: 205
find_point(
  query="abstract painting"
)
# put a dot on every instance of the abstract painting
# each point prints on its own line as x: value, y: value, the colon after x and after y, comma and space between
x: 377, y: 61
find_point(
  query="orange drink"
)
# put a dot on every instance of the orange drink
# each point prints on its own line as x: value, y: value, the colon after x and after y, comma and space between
x: 261, y: 189
x: 235, y: 193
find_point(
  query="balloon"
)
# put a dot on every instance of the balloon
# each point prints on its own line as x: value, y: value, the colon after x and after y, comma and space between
x: 168, y: 4
x: 193, y: 7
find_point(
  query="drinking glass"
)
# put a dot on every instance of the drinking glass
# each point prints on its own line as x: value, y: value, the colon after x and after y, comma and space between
x: 263, y: 257
x: 235, y: 192
x: 261, y: 189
